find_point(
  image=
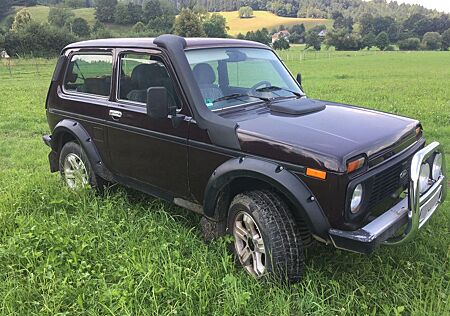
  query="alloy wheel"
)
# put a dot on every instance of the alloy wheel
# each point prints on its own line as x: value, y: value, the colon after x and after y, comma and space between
x: 75, y: 173
x: 249, y: 244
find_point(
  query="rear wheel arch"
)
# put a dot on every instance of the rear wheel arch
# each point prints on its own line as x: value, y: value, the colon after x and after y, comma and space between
x: 244, y: 174
x: 70, y: 130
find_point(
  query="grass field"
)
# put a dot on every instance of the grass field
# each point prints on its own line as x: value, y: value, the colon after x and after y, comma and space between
x: 266, y: 19
x: 73, y: 253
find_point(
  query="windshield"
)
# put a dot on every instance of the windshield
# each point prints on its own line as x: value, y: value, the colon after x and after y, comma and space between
x: 230, y: 77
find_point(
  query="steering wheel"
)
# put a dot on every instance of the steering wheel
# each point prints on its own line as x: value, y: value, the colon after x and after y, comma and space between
x: 258, y: 85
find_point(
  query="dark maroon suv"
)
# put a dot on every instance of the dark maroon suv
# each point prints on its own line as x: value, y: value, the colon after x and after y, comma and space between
x: 221, y: 127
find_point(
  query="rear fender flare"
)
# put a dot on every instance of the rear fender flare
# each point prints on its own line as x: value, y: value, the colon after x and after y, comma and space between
x: 78, y: 132
x: 305, y: 205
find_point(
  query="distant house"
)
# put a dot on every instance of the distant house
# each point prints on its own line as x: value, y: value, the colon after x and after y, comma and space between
x: 281, y: 34
x: 4, y: 54
x: 322, y: 33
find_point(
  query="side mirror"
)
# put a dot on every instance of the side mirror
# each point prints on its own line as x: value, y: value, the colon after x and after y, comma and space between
x: 157, y: 103
x: 299, y: 79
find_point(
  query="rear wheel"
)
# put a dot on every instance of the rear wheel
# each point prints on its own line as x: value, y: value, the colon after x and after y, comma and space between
x: 75, y: 168
x: 267, y: 239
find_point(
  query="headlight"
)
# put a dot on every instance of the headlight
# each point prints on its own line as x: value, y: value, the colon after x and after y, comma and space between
x: 437, y: 166
x: 356, y: 199
x: 424, y: 177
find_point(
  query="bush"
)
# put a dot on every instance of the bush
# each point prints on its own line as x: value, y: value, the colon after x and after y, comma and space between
x: 245, y: 12
x: 432, y: 41
x: 37, y: 40
x: 390, y: 48
x: 412, y: 43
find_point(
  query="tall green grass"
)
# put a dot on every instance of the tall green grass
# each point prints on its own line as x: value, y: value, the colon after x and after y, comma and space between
x: 74, y: 253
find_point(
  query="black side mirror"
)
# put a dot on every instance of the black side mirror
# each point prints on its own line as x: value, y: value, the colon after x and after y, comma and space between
x: 299, y: 79
x: 157, y: 103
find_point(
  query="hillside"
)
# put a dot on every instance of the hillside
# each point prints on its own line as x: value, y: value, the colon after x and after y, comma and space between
x: 266, y: 19
x: 260, y: 20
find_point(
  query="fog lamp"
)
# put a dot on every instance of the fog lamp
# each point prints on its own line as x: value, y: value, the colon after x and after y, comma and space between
x: 356, y: 201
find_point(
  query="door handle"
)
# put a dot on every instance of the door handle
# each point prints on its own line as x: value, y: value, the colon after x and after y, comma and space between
x: 115, y: 114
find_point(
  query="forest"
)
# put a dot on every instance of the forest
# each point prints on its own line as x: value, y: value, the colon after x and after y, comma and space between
x: 356, y: 24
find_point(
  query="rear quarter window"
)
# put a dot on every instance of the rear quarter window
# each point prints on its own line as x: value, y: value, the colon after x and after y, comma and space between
x: 90, y: 74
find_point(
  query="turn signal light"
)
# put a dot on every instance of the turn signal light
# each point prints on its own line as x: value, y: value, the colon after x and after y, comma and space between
x: 355, y: 164
x: 418, y: 131
x: 319, y: 174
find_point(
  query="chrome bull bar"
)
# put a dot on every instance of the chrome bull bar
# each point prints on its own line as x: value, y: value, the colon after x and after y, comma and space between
x: 421, y: 207
x: 400, y: 223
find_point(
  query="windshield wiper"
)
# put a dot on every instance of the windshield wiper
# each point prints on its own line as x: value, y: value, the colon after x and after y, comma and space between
x: 237, y: 96
x: 279, y: 88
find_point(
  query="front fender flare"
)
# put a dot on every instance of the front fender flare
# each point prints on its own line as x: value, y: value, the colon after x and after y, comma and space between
x: 293, y: 188
x: 75, y: 129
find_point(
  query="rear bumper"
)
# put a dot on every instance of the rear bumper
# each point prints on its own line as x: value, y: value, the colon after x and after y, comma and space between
x: 47, y: 140
x: 412, y: 212
x: 53, y: 155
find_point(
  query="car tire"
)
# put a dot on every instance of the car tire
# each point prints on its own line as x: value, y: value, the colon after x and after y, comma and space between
x: 75, y: 168
x: 267, y: 238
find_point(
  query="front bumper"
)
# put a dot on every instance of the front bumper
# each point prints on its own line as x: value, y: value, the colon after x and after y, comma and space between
x: 412, y: 212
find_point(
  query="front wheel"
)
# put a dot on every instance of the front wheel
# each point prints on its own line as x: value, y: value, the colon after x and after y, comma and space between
x: 267, y: 238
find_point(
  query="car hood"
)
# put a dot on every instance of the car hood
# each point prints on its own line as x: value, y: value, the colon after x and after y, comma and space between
x: 328, y: 137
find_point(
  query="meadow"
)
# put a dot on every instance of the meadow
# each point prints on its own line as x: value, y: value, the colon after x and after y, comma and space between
x: 124, y: 253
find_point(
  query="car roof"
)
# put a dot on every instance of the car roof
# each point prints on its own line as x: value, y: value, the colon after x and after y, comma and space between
x: 146, y: 42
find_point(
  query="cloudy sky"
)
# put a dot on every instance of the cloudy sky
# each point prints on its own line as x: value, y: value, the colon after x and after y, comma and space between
x: 441, y: 5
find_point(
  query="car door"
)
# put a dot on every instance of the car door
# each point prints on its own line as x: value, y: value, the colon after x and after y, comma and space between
x: 149, y: 151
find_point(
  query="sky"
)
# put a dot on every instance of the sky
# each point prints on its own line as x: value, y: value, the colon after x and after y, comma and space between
x: 441, y: 5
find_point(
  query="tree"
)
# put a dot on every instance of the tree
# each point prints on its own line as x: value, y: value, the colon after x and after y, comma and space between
x: 281, y: 44
x: 22, y: 19
x: 412, y: 43
x: 75, y: 3
x: 105, y: 9
x: 164, y: 21
x: 59, y: 16
x: 245, y: 12
x: 188, y: 24
x: 297, y: 34
x: 127, y: 14
x: 342, y: 40
x: 368, y: 40
x: 139, y: 27
x: 5, y: 6
x: 382, y: 40
x: 446, y: 40
x: 151, y: 9
x: 432, y: 41
x: 80, y: 27
x: 215, y: 26
x: 312, y: 39
x: 260, y: 36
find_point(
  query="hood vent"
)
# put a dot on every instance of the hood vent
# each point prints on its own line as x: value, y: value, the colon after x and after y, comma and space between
x: 298, y: 106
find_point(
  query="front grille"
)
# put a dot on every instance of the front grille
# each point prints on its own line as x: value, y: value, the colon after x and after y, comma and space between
x: 388, y: 182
